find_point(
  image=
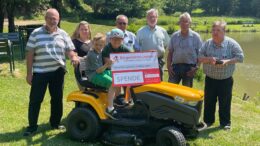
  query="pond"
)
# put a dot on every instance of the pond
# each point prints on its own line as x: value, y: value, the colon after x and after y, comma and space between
x: 247, y: 74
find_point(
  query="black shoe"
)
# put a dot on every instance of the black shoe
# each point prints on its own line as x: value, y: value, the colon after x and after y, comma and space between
x: 111, y: 114
x: 123, y: 103
x: 209, y: 124
x: 29, y: 131
x: 59, y: 127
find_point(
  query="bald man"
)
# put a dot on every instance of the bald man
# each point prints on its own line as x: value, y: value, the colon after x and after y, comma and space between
x: 46, y: 67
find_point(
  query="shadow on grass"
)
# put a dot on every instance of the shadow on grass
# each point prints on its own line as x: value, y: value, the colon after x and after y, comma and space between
x: 45, y: 135
x: 205, y: 134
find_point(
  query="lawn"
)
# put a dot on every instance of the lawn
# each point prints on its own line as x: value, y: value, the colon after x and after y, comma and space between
x: 14, y: 106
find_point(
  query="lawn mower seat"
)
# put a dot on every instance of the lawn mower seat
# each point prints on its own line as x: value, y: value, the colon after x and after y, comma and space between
x: 82, y: 78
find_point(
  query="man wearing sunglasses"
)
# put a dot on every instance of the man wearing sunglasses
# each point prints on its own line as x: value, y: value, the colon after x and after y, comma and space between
x: 129, y: 37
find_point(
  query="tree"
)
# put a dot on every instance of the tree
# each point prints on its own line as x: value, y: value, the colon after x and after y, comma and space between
x: 96, y: 5
x: 2, y: 16
x: 57, y: 4
x: 111, y: 8
x: 256, y: 8
x: 172, y: 6
x: 219, y: 7
x: 12, y: 8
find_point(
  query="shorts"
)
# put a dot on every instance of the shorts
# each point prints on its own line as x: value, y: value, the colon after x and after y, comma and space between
x: 103, y: 79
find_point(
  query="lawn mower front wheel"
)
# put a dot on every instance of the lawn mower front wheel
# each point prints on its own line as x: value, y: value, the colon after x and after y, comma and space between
x: 83, y: 124
x: 170, y: 136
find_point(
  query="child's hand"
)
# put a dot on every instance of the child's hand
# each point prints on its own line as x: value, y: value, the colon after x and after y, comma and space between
x: 110, y: 62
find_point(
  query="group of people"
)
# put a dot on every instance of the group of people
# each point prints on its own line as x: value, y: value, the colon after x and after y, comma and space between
x: 47, y: 46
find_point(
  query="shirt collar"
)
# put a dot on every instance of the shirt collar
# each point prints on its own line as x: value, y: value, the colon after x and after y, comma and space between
x: 46, y: 31
x: 155, y: 28
x: 126, y: 33
x: 221, y: 45
x: 189, y: 33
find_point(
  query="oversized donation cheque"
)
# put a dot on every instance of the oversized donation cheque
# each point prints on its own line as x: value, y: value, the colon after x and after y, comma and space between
x: 135, y: 68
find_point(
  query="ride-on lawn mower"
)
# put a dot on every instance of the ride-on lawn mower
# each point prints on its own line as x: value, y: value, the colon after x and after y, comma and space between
x: 163, y: 113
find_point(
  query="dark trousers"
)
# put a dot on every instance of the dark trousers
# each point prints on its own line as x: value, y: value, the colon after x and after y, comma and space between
x: 177, y: 78
x: 220, y: 90
x: 54, y: 81
x: 161, y: 64
x: 180, y: 74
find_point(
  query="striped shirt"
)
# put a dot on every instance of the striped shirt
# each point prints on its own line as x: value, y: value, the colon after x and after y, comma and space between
x: 152, y: 39
x: 228, y: 49
x: 49, y: 49
x: 185, y: 49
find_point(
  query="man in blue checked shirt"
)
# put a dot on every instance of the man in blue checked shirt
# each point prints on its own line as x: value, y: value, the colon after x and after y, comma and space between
x: 219, y: 56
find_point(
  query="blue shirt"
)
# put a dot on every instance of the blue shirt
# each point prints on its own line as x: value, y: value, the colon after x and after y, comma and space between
x: 228, y: 49
x: 185, y: 49
x: 152, y: 39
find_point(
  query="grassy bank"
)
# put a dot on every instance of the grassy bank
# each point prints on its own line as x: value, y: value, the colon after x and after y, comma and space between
x: 14, y: 106
x: 203, y: 24
x: 170, y: 23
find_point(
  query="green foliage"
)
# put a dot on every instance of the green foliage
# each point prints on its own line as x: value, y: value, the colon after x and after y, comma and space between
x: 133, y: 28
x: 171, y: 29
x: 172, y: 6
x: 201, y: 24
x: 256, y: 7
x: 112, y: 8
x: 199, y: 76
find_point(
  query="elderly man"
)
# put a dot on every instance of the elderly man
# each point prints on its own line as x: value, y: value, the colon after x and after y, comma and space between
x: 152, y: 37
x: 219, y: 56
x: 45, y: 58
x: 182, y: 60
x: 129, y: 37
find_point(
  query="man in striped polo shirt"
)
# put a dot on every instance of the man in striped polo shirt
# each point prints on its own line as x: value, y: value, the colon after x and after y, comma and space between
x: 219, y: 56
x: 46, y: 61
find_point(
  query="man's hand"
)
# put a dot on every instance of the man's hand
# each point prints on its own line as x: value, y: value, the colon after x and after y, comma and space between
x: 212, y: 60
x: 75, y: 60
x: 192, y: 72
x: 29, y: 79
x: 170, y: 71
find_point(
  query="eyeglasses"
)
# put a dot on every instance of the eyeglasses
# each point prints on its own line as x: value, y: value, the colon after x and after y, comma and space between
x: 121, y: 23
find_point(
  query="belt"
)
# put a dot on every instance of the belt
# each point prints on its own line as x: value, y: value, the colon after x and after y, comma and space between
x: 185, y: 64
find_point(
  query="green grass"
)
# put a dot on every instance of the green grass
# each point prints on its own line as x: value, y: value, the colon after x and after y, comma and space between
x: 203, y: 24
x: 14, y: 106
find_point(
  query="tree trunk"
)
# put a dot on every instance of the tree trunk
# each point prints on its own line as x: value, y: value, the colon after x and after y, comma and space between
x: 57, y: 5
x: 10, y: 13
x: 2, y: 16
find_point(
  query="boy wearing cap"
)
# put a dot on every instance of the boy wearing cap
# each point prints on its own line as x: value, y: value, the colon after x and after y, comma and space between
x: 114, y: 46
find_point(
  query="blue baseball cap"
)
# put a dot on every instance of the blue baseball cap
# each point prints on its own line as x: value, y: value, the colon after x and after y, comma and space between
x: 116, y: 33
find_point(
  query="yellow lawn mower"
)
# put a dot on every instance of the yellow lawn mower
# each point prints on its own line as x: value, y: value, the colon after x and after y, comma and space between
x: 162, y: 113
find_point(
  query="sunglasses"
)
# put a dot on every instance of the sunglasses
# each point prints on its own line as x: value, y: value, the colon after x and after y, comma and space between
x: 121, y: 23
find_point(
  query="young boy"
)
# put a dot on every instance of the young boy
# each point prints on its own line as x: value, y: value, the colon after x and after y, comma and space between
x: 116, y: 46
x: 97, y: 73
